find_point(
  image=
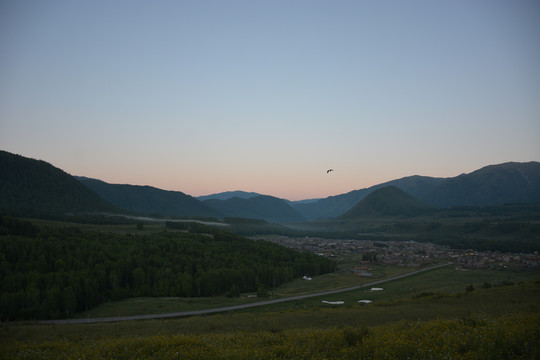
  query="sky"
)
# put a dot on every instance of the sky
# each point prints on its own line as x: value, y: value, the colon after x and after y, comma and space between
x: 265, y: 96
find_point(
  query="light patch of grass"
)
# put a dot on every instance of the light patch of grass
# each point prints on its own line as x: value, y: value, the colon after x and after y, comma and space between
x: 147, y: 305
x: 336, y: 280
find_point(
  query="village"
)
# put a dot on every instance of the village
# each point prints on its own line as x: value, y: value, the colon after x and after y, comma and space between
x: 407, y: 253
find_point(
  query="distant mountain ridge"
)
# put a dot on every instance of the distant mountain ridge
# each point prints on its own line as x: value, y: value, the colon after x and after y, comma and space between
x: 493, y: 185
x: 36, y: 188
x: 30, y: 187
x: 334, y: 206
x: 510, y: 182
x: 149, y: 200
x: 264, y: 207
x: 228, y: 195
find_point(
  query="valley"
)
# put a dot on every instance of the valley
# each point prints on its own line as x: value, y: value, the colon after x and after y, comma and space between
x: 498, y: 310
x: 410, y: 254
x: 269, y: 180
x: 244, y: 275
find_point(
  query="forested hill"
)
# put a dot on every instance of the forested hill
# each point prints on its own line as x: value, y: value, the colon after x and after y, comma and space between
x: 30, y: 187
x: 387, y: 201
x: 53, y: 272
x: 493, y: 185
x: 150, y: 200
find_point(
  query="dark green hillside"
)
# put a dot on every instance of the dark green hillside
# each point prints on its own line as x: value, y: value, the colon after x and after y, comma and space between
x: 53, y: 272
x: 335, y: 206
x: 387, y: 201
x: 507, y: 228
x: 31, y: 187
x: 263, y: 207
x: 331, y: 206
x: 492, y: 185
x: 149, y: 200
x: 415, y: 185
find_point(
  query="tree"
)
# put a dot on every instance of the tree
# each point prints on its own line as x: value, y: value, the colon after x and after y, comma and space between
x: 234, y: 291
x: 69, y: 301
x: 261, y: 291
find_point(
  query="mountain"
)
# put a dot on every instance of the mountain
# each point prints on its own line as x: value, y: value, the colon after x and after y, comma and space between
x: 331, y: 206
x: 228, y: 195
x: 335, y: 206
x: 387, y: 201
x: 493, y: 185
x: 149, y: 200
x: 305, y: 201
x: 417, y: 186
x: 30, y: 187
x: 35, y: 188
x: 506, y: 183
x: 264, y: 207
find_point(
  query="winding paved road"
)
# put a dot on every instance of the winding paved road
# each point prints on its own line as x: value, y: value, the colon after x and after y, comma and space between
x: 235, y: 307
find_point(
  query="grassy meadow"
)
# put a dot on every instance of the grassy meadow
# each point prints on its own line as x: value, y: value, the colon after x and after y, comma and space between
x: 432, y: 315
x: 439, y: 282
x: 147, y: 305
x: 445, y: 313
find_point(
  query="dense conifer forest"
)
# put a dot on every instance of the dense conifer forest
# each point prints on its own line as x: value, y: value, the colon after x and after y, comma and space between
x: 52, y: 272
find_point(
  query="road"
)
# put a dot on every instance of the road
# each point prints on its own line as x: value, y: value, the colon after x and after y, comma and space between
x: 235, y: 307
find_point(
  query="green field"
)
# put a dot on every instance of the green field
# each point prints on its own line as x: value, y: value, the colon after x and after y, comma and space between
x: 142, y: 306
x: 441, y: 313
x: 500, y: 313
x: 448, y: 280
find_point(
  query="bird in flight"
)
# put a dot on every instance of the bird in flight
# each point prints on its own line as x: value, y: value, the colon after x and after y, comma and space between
x: 328, y: 171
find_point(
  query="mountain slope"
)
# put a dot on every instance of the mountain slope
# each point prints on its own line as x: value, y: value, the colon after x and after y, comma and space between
x: 228, y: 195
x: 149, y: 200
x: 491, y: 185
x: 335, y: 206
x: 505, y: 183
x: 331, y: 206
x: 30, y: 187
x: 387, y: 201
x: 264, y: 207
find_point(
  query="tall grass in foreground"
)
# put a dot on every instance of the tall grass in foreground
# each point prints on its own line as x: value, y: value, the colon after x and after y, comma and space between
x: 482, y: 337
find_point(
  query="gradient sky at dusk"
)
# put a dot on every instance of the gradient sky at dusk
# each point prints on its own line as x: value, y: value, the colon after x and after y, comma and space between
x: 265, y: 96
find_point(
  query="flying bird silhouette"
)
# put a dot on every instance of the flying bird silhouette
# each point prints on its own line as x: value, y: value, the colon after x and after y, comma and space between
x: 328, y: 171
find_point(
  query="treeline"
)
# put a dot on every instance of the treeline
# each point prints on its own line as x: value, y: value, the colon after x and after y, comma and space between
x: 51, y: 272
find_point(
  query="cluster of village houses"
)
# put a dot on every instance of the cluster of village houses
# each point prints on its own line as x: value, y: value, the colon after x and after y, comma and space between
x: 407, y: 253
